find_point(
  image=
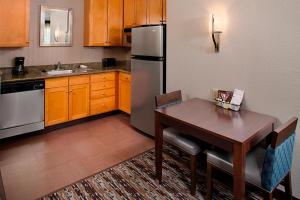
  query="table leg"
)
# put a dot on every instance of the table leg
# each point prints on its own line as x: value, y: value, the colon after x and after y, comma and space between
x: 239, y: 159
x: 158, y: 147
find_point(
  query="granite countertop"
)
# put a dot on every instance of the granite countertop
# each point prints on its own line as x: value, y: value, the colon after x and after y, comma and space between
x: 40, y: 72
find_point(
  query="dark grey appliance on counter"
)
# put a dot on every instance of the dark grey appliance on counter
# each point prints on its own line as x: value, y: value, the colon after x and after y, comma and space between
x: 148, y: 73
x: 21, y: 107
x: 109, y: 62
x: 19, y: 68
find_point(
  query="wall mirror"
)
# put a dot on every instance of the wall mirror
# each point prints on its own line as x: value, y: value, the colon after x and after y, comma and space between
x: 56, y: 26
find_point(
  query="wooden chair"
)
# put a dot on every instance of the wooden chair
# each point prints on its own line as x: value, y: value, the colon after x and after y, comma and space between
x: 177, y: 139
x: 265, y: 168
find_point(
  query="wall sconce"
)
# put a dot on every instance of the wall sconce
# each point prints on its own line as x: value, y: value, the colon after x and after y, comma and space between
x: 216, y: 33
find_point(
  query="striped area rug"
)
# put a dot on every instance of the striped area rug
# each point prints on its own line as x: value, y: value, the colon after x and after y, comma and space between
x: 134, y: 179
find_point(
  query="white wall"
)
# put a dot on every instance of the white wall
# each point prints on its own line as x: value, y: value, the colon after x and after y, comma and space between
x: 260, y: 53
x: 35, y: 55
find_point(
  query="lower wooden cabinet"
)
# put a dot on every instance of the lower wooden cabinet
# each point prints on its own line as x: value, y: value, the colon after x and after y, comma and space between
x: 56, y: 105
x: 103, y: 93
x: 125, y: 92
x: 76, y: 97
x: 103, y: 105
x: 79, y: 101
x: 66, y: 99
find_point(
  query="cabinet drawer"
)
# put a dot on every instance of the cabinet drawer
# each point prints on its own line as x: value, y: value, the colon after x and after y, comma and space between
x: 125, y: 77
x: 103, y: 77
x: 97, y: 94
x: 103, y: 85
x: 103, y: 105
x: 56, y: 82
x: 78, y: 80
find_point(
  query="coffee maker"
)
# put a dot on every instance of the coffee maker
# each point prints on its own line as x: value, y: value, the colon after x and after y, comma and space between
x: 19, y: 68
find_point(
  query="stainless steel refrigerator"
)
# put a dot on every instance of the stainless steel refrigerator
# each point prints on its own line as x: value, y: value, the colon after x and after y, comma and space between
x: 148, y: 72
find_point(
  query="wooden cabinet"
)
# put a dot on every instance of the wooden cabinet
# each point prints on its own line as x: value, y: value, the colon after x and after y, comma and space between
x: 140, y: 12
x: 155, y: 11
x: 76, y: 97
x: 103, y: 93
x: 79, y: 97
x: 143, y: 12
x: 125, y: 92
x: 115, y: 22
x: 56, y: 101
x: 14, y: 23
x: 164, y: 11
x: 129, y: 13
x: 103, y: 21
x: 66, y: 99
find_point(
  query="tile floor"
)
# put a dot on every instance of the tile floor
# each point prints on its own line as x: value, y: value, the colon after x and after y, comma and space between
x: 36, y: 165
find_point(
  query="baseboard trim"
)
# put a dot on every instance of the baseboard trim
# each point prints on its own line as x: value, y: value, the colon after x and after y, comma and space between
x: 60, y: 126
x: 79, y: 121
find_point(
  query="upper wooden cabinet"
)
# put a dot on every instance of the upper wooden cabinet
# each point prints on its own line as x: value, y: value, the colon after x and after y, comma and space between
x: 103, y: 22
x: 129, y: 13
x: 155, y: 12
x: 140, y: 12
x: 14, y: 23
x: 115, y: 22
x: 164, y: 11
x: 95, y: 22
x: 143, y: 12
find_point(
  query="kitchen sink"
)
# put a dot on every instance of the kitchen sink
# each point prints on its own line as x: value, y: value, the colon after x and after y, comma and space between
x: 59, y: 72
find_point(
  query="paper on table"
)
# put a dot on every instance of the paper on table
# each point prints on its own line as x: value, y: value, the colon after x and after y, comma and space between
x: 237, y: 97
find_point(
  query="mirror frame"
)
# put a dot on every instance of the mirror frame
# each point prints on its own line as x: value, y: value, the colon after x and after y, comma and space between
x: 42, y: 27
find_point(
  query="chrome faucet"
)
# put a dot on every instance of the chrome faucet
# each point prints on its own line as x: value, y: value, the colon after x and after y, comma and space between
x: 58, y: 66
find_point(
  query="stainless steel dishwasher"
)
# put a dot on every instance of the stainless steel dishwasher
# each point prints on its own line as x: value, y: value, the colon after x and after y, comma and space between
x: 21, y: 107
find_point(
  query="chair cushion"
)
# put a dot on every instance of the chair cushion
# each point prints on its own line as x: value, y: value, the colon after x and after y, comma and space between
x: 254, y: 162
x: 185, y: 143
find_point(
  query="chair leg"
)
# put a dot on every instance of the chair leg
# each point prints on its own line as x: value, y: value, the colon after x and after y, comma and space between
x: 267, y: 195
x: 209, y: 181
x: 288, y: 186
x: 270, y: 196
x: 194, y: 174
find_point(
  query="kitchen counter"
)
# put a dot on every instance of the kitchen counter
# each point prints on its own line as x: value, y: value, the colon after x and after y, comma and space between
x: 39, y: 72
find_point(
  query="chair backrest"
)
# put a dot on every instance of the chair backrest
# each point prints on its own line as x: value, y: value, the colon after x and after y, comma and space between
x: 168, y: 99
x: 279, y: 155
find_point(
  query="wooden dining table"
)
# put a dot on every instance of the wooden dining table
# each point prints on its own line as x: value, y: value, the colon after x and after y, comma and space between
x: 236, y: 132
